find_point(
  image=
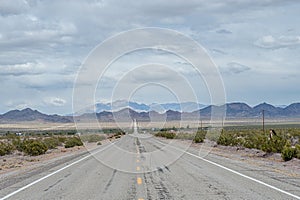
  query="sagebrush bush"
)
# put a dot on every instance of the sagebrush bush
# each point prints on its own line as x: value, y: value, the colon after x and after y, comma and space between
x: 62, y: 139
x: 288, y: 153
x: 52, y: 142
x: 297, y: 151
x: 18, y: 143
x: 200, y: 136
x: 274, y: 145
x: 166, y: 134
x: 72, y: 142
x: 6, y: 148
x: 92, y: 138
x: 34, y: 147
x: 227, y: 139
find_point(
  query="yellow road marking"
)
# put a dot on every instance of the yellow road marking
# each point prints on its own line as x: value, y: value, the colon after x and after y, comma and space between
x: 139, y: 181
x: 140, y: 199
x: 137, y: 160
x: 138, y: 168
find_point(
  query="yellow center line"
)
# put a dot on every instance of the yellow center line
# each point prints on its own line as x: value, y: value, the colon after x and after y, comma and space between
x: 140, y: 199
x: 137, y: 160
x: 138, y: 168
x: 139, y: 181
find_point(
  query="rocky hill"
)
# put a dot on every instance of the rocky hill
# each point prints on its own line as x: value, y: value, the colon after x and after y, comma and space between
x: 32, y: 115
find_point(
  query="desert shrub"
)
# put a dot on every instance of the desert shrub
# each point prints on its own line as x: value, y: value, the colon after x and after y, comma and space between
x: 92, y: 138
x: 17, y: 143
x: 227, y: 139
x: 6, y: 148
x: 170, y: 135
x: 99, y: 143
x: 113, y: 130
x: 158, y: 134
x: 200, y: 136
x: 213, y: 134
x: 62, y: 139
x: 72, y: 142
x: 165, y: 134
x: 288, y: 153
x: 274, y: 145
x: 52, y: 142
x: 10, y: 136
x: 297, y: 151
x: 254, y: 141
x: 34, y: 147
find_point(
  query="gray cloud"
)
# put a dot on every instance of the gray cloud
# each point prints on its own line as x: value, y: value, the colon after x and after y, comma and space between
x: 55, y: 101
x: 270, y: 42
x: 16, y: 7
x: 22, y: 69
x: 154, y: 73
x: 218, y: 51
x: 236, y: 68
x: 46, y: 82
x: 223, y: 31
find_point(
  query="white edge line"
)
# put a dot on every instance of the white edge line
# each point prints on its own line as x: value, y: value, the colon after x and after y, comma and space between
x: 235, y: 172
x: 55, y: 172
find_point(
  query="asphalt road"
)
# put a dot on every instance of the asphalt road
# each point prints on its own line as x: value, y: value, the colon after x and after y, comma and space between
x: 146, y: 168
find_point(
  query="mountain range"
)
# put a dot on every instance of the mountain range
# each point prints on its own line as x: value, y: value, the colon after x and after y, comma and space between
x: 141, y: 107
x: 127, y: 113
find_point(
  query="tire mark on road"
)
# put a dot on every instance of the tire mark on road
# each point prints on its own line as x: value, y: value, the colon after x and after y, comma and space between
x: 110, y: 181
x: 51, y: 186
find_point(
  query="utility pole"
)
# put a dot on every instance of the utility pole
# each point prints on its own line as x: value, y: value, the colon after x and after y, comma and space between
x: 263, y: 120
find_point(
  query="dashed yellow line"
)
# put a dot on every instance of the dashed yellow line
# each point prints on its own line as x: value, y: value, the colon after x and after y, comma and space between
x: 139, y: 181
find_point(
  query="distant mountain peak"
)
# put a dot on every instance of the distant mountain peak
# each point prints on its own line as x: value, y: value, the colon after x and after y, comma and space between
x: 28, y: 114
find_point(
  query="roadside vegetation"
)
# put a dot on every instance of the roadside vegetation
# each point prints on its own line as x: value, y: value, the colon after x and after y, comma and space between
x: 39, y: 142
x: 286, y: 141
x: 172, y: 133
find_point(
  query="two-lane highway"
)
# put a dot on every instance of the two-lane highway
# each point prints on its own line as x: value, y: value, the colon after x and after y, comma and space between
x: 137, y: 167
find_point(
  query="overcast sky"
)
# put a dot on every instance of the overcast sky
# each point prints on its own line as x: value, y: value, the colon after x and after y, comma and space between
x: 254, y: 43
